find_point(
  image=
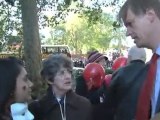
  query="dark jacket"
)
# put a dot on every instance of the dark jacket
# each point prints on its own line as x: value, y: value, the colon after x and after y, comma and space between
x: 95, y: 95
x: 47, y: 108
x: 124, y: 90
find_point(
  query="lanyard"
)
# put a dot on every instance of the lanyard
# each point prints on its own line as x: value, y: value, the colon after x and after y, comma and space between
x: 63, y: 112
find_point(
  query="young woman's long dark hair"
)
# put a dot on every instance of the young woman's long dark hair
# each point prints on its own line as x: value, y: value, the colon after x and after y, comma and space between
x: 9, y: 71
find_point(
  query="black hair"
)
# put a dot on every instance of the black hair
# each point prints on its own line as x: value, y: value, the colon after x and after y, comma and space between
x: 9, y: 71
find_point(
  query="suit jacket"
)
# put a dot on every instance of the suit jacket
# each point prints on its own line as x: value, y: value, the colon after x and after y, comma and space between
x: 47, y: 108
x: 158, y: 104
x: 124, y: 90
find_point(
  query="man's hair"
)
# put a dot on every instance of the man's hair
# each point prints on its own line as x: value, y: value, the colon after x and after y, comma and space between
x: 53, y: 64
x: 139, y: 7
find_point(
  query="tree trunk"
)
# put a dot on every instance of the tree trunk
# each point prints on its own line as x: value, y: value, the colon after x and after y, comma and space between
x: 32, y: 49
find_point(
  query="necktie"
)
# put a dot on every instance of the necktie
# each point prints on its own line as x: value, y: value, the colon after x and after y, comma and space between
x: 143, y: 105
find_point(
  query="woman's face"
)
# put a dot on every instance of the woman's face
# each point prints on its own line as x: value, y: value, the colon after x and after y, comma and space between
x: 23, y: 87
x: 63, y: 80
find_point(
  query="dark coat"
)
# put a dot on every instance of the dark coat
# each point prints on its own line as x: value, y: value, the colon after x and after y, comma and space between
x: 93, y: 95
x: 124, y: 90
x: 96, y: 97
x: 47, y: 108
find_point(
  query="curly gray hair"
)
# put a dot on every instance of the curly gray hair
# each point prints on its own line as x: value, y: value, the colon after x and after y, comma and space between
x: 53, y: 64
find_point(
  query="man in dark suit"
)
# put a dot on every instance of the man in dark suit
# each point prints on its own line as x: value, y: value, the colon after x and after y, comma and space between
x: 142, y: 21
x: 126, y: 81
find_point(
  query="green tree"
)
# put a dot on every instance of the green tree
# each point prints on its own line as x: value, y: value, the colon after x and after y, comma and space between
x: 80, y: 34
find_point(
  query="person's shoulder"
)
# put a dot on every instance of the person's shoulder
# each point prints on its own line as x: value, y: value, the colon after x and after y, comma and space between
x: 38, y: 103
x: 123, y: 70
x: 35, y: 105
x: 79, y: 99
x: 134, y: 66
x: 78, y: 102
x: 118, y: 72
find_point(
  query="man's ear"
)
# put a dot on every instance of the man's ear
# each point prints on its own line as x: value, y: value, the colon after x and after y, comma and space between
x: 151, y: 15
x: 49, y: 82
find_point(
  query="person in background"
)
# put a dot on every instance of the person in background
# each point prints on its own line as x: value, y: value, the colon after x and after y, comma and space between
x: 94, y: 95
x: 136, y: 54
x: 60, y: 102
x: 15, y: 90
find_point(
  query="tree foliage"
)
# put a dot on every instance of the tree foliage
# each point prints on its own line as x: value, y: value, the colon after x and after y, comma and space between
x: 58, y: 10
x: 81, y: 35
x: 10, y: 23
